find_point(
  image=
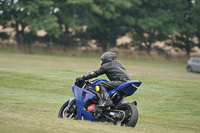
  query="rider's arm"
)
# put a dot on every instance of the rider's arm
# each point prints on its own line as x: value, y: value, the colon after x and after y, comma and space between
x: 94, y: 74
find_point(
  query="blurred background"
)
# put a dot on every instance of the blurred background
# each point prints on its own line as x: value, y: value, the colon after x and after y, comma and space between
x: 139, y: 28
x: 46, y: 44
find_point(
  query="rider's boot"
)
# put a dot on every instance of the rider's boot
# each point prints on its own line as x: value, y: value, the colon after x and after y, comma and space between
x: 105, y: 100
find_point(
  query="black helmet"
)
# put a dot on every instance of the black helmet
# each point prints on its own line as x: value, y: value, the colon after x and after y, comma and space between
x: 108, y: 57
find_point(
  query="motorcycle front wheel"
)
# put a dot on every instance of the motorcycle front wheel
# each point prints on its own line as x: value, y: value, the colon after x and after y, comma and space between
x: 131, y: 114
x: 68, y: 112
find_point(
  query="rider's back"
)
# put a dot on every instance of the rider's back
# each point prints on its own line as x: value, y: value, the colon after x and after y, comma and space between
x: 115, y: 71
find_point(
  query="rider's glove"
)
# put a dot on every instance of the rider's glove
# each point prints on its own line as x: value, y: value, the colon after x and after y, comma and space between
x: 79, y: 79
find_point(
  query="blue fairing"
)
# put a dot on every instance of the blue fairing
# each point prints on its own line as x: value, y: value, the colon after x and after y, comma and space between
x: 128, y: 87
x: 82, y: 95
x: 80, y: 102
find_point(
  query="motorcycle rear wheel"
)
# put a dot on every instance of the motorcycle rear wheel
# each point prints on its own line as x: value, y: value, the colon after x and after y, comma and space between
x: 68, y: 112
x: 131, y: 114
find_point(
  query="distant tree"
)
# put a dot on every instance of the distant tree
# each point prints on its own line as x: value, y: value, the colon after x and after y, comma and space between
x: 81, y: 17
x: 196, y: 19
x: 111, y: 22
x: 3, y: 19
x: 187, y: 20
x: 64, y: 10
x: 105, y: 20
x: 35, y: 14
x: 4, y: 36
x: 153, y: 22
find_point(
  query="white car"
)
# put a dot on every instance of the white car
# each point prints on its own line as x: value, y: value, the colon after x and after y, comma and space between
x: 193, y: 64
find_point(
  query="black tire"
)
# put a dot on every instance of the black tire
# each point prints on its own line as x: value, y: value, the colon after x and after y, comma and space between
x: 189, y: 69
x: 131, y: 114
x: 68, y: 113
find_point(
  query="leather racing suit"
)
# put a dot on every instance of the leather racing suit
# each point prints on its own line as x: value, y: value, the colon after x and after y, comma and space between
x: 115, y: 72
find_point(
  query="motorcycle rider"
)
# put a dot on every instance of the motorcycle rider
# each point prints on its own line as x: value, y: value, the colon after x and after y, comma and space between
x: 115, y: 72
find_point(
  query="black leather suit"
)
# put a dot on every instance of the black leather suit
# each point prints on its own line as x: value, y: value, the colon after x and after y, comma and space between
x: 116, y: 73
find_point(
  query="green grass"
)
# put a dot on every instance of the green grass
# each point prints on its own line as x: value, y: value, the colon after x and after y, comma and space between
x: 34, y: 87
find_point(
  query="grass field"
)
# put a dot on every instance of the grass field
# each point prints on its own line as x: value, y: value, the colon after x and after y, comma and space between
x: 34, y: 87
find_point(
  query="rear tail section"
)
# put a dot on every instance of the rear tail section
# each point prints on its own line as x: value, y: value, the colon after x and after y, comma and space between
x: 128, y: 88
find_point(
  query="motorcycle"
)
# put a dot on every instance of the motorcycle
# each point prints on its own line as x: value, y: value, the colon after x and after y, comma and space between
x: 86, y: 99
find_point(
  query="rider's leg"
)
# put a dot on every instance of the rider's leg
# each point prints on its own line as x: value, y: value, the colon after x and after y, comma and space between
x: 105, y: 100
x: 104, y: 86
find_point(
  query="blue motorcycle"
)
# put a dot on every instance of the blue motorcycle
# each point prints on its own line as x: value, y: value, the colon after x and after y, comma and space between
x: 86, y: 99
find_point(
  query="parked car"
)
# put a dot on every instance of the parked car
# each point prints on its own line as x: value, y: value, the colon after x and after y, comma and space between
x: 193, y: 64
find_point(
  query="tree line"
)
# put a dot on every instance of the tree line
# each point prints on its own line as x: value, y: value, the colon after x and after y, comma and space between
x: 76, y: 22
